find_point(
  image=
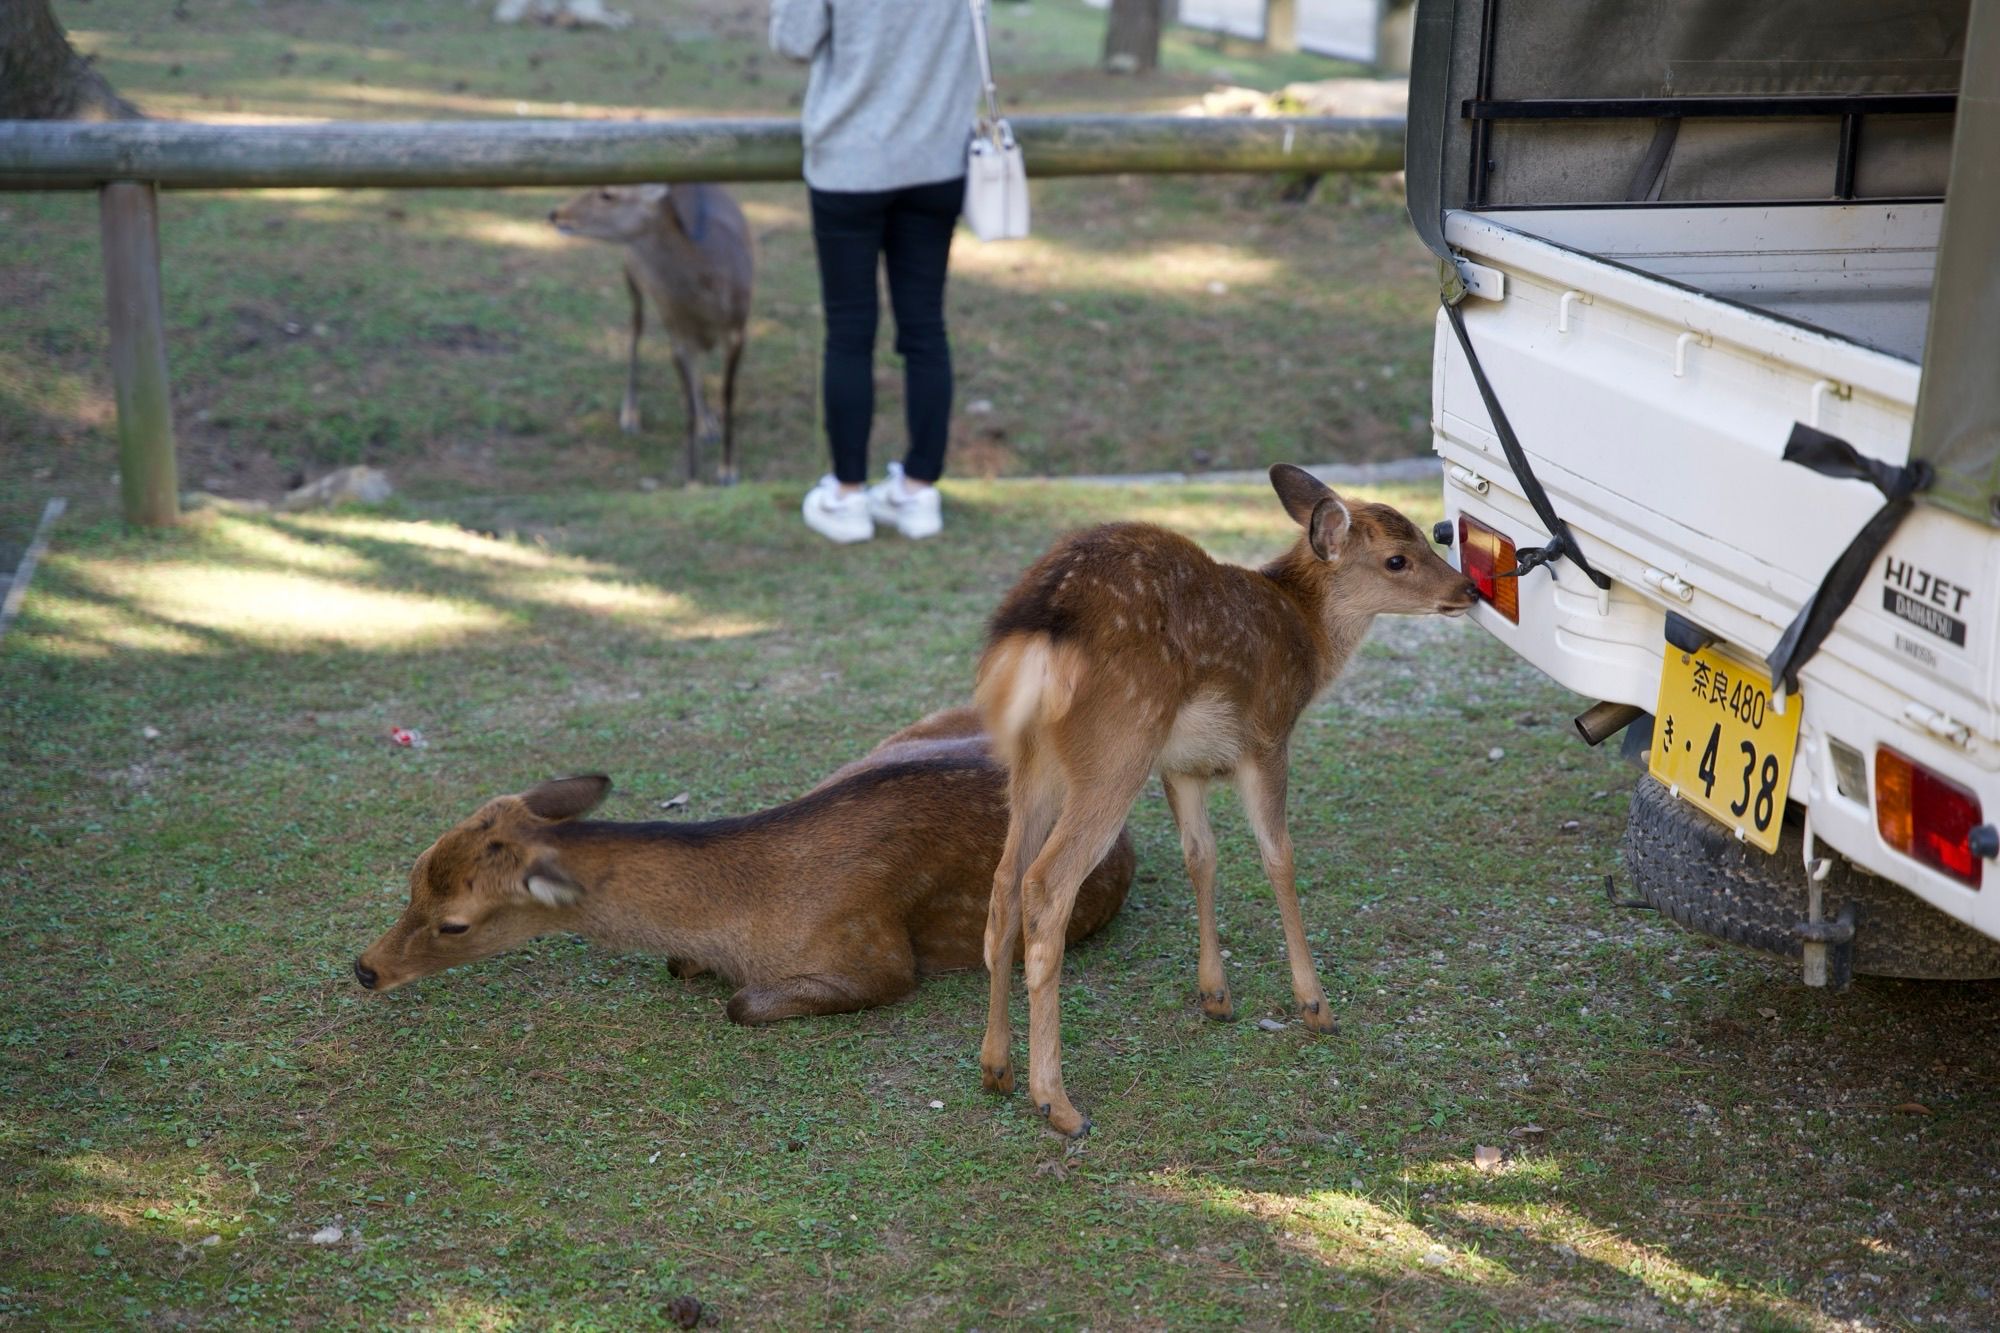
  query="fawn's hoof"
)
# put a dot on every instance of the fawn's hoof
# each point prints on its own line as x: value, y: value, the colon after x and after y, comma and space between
x: 1069, y: 1122
x: 1317, y: 1015
x: 1218, y: 1006
x: 997, y: 1080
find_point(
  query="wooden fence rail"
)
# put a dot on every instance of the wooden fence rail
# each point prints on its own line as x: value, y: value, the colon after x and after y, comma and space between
x: 130, y: 161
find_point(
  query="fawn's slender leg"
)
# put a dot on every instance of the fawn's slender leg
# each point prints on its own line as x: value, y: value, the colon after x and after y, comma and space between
x: 1187, y: 797
x: 727, y: 474
x: 697, y: 409
x: 628, y: 411
x: 1092, y: 814
x: 1032, y: 800
x: 1261, y: 780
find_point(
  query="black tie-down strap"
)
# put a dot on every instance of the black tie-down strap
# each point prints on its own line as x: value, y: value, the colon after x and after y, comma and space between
x: 1831, y: 456
x: 1561, y: 541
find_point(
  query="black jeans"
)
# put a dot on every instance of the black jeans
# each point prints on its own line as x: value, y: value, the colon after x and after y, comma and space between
x: 908, y: 231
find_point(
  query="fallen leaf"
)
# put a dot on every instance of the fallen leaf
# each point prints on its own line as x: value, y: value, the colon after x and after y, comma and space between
x: 1528, y: 1133
x: 327, y: 1235
x: 684, y: 1311
x: 1485, y: 1158
x: 1771, y: 1014
x: 1910, y: 1108
x: 675, y: 802
x: 1270, y: 1025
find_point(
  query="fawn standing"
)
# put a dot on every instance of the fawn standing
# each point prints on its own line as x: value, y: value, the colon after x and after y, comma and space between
x: 1127, y: 649
x: 688, y: 248
x: 836, y: 901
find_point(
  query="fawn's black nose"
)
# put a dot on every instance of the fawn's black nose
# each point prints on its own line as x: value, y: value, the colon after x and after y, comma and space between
x: 364, y: 974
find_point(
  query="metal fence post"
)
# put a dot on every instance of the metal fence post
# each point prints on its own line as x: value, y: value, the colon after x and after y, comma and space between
x: 130, y: 216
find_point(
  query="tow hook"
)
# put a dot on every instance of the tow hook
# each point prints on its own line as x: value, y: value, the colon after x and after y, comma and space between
x: 1829, y: 950
x: 1826, y: 957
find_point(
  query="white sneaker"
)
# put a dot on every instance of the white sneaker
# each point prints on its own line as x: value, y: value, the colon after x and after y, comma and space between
x: 915, y: 511
x: 836, y: 517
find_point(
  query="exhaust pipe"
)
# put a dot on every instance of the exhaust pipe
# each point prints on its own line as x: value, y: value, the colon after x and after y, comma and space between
x: 1601, y: 721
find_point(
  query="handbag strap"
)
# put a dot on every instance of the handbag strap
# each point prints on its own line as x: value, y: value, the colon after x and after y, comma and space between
x: 980, y: 40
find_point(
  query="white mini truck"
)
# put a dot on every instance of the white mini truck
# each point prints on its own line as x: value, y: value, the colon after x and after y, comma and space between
x: 1730, y: 276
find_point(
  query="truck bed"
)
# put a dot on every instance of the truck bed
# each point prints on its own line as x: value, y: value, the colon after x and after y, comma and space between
x: 1654, y: 362
x: 1861, y: 272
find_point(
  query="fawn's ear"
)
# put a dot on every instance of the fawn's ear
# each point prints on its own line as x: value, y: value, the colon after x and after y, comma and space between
x: 1328, y: 527
x: 566, y: 798
x: 1299, y: 491
x: 1313, y: 506
x: 651, y: 194
x: 690, y: 209
x: 548, y: 883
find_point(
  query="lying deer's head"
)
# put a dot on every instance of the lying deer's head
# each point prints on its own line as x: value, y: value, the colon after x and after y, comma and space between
x: 620, y: 213
x: 490, y: 883
x: 1374, y: 560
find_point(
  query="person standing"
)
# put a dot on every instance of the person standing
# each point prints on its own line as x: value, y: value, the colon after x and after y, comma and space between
x: 888, y: 112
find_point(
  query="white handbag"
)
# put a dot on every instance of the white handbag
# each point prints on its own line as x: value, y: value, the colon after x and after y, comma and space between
x: 996, y: 176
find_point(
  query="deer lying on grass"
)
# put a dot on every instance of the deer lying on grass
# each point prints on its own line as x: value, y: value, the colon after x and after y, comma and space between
x: 688, y: 248
x: 836, y: 901
x: 1127, y: 649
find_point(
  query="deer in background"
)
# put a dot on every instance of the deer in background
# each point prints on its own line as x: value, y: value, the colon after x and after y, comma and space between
x: 836, y: 901
x: 1127, y: 649
x: 688, y: 248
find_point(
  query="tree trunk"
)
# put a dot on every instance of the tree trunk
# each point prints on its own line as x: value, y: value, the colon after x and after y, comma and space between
x: 1132, y: 38
x: 43, y: 78
x: 1281, y: 25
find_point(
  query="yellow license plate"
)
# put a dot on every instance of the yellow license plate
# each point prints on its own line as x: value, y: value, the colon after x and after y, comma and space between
x: 1718, y: 743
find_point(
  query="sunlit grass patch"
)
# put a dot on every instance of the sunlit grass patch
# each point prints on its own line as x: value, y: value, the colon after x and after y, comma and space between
x: 277, y: 609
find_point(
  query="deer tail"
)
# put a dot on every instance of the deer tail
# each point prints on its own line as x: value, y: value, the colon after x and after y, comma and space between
x: 1026, y: 682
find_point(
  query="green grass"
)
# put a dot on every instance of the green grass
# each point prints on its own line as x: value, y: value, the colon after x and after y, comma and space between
x: 564, y: 1138
x: 454, y: 339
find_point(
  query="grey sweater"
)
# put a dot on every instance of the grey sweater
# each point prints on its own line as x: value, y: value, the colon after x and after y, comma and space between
x: 891, y: 95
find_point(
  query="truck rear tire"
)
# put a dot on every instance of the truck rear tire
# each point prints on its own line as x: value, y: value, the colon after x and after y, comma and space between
x: 1696, y: 872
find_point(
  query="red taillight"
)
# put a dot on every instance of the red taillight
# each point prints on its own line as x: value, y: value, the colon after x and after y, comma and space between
x: 1923, y: 815
x: 1483, y: 556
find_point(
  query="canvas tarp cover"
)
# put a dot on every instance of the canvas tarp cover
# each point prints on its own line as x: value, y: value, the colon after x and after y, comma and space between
x: 1958, y: 408
x: 1541, y: 49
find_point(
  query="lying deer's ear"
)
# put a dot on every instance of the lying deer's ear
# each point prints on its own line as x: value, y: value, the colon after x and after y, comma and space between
x: 651, y: 194
x: 1327, y: 527
x: 1299, y: 490
x: 549, y: 884
x: 566, y: 798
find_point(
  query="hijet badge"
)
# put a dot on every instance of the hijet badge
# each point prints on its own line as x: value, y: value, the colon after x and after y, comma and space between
x: 1718, y: 742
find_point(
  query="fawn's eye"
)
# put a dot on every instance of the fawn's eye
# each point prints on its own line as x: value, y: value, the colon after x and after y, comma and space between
x: 453, y: 927
x: 1397, y: 562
